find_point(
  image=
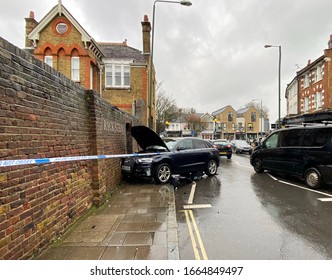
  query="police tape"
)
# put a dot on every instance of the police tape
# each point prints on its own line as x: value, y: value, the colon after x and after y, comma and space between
x: 15, y: 162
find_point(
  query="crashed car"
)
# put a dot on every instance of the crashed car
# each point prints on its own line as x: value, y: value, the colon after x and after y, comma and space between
x: 168, y: 156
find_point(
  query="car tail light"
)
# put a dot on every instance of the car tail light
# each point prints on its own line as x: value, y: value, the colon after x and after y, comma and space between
x: 228, y: 146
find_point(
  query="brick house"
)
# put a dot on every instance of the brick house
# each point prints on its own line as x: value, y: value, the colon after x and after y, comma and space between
x: 118, y: 72
x: 226, y: 122
x: 309, y: 95
x: 247, y: 123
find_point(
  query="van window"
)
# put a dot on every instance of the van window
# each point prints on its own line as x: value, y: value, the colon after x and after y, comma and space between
x: 315, y: 137
x: 291, y: 138
x: 272, y: 141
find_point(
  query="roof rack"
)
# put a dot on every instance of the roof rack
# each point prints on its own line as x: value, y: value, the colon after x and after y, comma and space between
x: 317, y: 124
x: 325, y: 123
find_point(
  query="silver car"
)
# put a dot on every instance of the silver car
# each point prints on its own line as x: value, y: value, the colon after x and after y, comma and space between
x: 241, y: 146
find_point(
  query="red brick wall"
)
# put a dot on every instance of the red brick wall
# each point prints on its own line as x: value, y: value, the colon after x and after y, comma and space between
x: 44, y: 114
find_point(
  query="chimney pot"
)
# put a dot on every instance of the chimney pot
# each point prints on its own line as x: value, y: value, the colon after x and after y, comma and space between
x: 32, y: 14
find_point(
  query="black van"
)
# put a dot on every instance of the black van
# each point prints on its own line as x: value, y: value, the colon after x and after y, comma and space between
x: 304, y: 151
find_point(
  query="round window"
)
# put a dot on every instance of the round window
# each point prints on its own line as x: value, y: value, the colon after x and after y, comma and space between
x: 61, y: 28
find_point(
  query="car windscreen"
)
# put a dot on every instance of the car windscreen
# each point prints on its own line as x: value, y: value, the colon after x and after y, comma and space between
x: 170, y: 143
x: 241, y: 142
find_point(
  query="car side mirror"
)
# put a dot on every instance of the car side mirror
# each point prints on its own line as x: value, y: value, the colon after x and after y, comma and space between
x: 180, y: 148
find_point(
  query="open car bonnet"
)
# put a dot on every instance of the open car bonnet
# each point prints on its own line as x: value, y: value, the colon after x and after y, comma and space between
x: 146, y: 137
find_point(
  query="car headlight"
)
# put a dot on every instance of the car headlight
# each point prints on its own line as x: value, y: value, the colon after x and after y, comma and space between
x: 145, y: 160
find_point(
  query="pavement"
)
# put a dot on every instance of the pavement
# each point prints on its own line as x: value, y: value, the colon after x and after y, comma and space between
x: 137, y: 222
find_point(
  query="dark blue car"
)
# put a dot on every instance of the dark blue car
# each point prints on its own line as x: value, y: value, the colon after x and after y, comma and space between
x: 182, y: 156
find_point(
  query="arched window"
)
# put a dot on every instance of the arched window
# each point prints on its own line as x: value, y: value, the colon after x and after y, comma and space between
x: 62, y: 61
x: 75, y: 66
x: 48, y: 58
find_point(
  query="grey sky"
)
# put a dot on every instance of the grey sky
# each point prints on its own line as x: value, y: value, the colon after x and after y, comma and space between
x: 208, y: 55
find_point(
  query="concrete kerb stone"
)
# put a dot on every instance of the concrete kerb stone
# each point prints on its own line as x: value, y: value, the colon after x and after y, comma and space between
x: 172, y: 234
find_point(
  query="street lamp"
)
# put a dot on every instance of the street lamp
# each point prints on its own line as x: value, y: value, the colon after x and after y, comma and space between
x: 261, y: 117
x: 215, y: 128
x: 279, y: 100
x: 184, y: 3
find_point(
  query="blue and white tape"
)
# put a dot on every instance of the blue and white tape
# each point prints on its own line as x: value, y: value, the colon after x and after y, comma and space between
x: 15, y: 162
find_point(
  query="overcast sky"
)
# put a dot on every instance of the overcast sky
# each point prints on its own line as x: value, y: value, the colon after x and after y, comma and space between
x: 208, y: 55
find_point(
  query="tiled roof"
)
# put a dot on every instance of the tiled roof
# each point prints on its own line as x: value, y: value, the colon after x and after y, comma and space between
x: 215, y: 113
x: 240, y: 112
x: 121, y: 51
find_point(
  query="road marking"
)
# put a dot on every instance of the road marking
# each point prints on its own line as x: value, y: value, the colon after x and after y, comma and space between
x: 274, y: 178
x: 192, y: 193
x: 196, y: 206
x: 300, y: 187
x: 194, y: 234
x: 246, y: 166
x: 325, y: 199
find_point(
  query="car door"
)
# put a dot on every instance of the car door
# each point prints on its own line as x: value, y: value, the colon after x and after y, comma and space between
x: 184, y: 156
x: 270, y: 151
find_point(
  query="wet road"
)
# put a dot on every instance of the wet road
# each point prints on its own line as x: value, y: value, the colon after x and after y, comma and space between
x: 243, y: 215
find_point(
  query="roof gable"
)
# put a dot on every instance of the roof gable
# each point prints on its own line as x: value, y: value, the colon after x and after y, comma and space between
x: 61, y: 10
x: 215, y: 113
x: 58, y: 10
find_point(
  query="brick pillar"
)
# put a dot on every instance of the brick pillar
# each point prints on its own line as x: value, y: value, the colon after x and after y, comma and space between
x: 99, y: 189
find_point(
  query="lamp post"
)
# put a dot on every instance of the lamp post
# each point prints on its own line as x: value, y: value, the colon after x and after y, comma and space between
x: 215, y: 120
x: 261, y: 117
x: 279, y: 100
x: 184, y: 3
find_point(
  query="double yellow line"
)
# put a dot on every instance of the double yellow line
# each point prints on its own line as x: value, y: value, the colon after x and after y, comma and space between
x: 198, y: 247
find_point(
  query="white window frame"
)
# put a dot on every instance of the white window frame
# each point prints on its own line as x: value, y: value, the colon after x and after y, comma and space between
x: 117, y: 74
x: 318, y: 100
x: 306, y: 80
x: 319, y: 72
x: 75, y: 69
x: 306, y: 104
x: 48, y: 59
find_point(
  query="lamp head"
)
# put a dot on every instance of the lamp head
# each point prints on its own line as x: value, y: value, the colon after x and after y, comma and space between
x: 267, y: 46
x: 185, y: 3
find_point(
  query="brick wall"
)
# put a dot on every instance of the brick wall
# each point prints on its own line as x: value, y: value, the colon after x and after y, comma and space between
x: 43, y: 114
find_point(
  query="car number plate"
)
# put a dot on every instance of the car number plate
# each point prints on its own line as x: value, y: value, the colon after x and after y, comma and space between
x: 126, y: 168
x: 223, y: 153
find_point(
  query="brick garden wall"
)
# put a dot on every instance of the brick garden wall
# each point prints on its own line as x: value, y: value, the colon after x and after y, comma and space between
x: 43, y: 114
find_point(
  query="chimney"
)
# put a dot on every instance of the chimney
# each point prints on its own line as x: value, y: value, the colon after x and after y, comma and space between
x: 30, y: 23
x: 329, y: 43
x: 146, y: 30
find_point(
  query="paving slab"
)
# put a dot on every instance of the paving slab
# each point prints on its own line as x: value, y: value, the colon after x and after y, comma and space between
x: 137, y: 222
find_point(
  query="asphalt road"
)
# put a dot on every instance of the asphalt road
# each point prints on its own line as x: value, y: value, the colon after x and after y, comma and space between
x: 241, y: 215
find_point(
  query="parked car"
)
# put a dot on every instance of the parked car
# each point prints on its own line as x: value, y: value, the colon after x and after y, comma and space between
x: 174, y: 156
x: 241, y: 146
x: 224, y: 148
x: 305, y: 152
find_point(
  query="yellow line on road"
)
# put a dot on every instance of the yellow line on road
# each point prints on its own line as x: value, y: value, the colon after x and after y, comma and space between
x: 192, y: 237
x: 194, y: 234
x: 200, y: 242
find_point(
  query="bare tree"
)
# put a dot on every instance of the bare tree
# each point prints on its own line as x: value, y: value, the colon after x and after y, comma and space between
x: 166, y: 109
x: 257, y: 105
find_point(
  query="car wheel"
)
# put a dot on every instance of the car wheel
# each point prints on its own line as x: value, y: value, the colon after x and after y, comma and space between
x: 229, y: 157
x: 313, y: 178
x: 258, y: 166
x: 163, y: 173
x: 212, y: 168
